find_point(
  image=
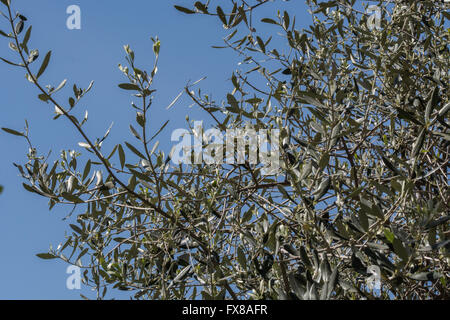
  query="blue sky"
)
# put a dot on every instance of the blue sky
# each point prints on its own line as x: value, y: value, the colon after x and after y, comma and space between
x: 93, y: 53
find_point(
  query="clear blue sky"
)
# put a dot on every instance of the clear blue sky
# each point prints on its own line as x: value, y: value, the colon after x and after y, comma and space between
x: 93, y: 53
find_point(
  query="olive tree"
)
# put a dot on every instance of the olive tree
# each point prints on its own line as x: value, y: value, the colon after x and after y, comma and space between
x: 361, y: 101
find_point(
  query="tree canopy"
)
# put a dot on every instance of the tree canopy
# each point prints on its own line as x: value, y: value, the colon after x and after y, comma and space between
x: 360, y: 100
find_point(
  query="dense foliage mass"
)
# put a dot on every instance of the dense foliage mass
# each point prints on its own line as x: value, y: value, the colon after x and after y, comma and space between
x: 361, y: 101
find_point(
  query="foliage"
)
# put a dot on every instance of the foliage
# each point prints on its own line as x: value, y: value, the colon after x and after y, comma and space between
x: 363, y: 114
